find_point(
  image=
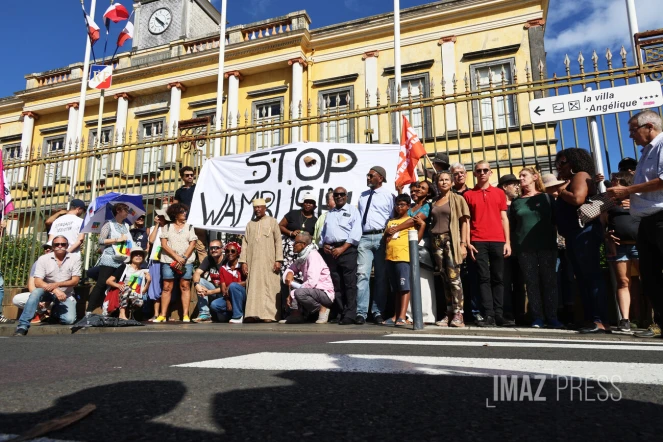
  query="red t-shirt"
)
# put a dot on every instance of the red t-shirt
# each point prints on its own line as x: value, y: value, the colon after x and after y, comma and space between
x: 486, y: 206
x: 228, y: 275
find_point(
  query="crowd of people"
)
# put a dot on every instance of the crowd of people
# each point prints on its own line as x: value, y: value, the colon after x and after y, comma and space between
x: 494, y: 256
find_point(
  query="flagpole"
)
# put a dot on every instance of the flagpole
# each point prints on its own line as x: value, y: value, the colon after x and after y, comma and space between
x: 81, y: 106
x: 632, y: 27
x: 219, y: 93
x: 397, y: 59
x: 95, y: 168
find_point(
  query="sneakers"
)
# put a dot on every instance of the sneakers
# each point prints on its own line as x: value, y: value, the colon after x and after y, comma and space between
x: 323, y: 317
x: 378, y: 320
x: 160, y: 319
x: 624, y: 325
x: 5, y: 320
x: 186, y: 319
x: 488, y: 322
x: 457, y: 321
x: 360, y: 320
x: 237, y: 321
x: 538, y: 323
x: 654, y: 331
x: 39, y: 318
x: 20, y: 332
x: 555, y: 324
x: 444, y: 322
x: 202, y: 319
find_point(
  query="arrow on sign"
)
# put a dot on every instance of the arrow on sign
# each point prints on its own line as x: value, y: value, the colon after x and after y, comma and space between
x: 538, y: 110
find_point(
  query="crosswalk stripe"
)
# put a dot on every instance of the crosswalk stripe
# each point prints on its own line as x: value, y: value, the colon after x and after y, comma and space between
x: 516, y: 338
x: 622, y: 372
x: 501, y: 344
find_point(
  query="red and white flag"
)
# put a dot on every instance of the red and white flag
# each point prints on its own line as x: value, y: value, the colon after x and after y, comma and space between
x: 126, y: 34
x: 92, y: 29
x: 411, y: 151
x: 116, y: 13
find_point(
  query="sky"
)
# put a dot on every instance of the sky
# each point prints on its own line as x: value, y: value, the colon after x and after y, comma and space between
x: 46, y: 34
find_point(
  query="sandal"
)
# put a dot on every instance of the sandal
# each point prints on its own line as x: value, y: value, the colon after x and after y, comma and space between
x: 401, y: 322
x: 389, y: 321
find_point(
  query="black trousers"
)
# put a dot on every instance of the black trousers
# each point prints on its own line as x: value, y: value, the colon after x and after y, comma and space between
x: 343, y: 272
x: 490, y: 267
x: 650, y: 250
x: 98, y: 293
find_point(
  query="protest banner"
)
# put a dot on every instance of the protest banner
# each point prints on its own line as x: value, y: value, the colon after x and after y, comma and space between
x: 227, y: 184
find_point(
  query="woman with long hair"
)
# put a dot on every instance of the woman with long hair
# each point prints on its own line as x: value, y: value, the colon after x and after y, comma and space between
x: 583, y: 244
x: 115, y: 232
x: 449, y: 229
x: 178, y: 241
x: 534, y: 242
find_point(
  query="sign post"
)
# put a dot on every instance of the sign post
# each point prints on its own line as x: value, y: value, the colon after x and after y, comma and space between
x: 595, y: 143
x: 101, y: 78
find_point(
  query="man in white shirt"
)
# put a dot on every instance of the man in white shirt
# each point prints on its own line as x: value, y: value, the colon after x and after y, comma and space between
x: 646, y: 195
x: 69, y: 226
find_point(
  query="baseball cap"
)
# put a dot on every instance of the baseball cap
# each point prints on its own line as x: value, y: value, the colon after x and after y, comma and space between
x: 78, y: 204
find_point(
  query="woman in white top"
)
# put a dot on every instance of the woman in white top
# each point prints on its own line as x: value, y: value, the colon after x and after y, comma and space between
x: 154, y: 291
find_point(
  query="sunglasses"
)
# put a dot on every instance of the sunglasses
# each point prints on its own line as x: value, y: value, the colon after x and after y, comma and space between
x: 188, y: 175
x: 214, y: 248
x: 339, y: 194
x: 231, y: 251
x: 60, y: 244
x: 480, y: 171
x: 370, y: 175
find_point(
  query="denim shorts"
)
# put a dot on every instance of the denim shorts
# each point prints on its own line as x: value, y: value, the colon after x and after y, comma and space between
x: 399, y: 275
x: 167, y: 272
x: 625, y: 252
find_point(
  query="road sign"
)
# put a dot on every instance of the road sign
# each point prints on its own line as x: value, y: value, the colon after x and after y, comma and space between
x: 101, y: 76
x: 598, y: 102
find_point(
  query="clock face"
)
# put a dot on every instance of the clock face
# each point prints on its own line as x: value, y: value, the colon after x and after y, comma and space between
x: 159, y: 21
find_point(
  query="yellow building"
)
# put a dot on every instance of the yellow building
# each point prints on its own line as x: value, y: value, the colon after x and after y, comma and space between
x: 467, y: 68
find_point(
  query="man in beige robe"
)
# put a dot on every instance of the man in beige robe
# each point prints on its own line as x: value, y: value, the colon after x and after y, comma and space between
x: 262, y: 254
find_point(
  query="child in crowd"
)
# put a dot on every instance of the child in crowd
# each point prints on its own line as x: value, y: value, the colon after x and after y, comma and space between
x: 398, y: 261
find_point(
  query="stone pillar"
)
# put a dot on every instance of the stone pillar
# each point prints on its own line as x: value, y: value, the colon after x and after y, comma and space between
x: 298, y: 65
x: 120, y: 128
x: 448, y: 45
x: 537, y: 51
x: 29, y: 119
x: 233, y: 107
x: 371, y: 77
x: 176, y: 89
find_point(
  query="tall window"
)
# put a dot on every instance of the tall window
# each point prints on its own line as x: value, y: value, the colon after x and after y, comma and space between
x: 11, y: 153
x: 334, y: 103
x: 53, y: 147
x: 496, y: 112
x: 106, y: 141
x: 267, y: 114
x: 148, y: 159
x: 413, y: 87
x: 211, y: 113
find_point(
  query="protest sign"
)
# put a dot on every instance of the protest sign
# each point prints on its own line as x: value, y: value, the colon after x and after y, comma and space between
x: 227, y: 184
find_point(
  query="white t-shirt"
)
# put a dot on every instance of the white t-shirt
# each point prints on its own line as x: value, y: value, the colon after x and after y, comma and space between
x: 68, y: 226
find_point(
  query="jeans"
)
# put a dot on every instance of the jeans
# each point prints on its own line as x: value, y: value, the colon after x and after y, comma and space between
x: 203, y: 301
x: 237, y: 295
x: 583, y: 248
x: 490, y: 265
x: 65, y: 310
x: 371, y: 253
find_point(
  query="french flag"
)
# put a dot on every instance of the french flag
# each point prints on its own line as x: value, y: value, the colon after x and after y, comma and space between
x: 126, y: 34
x: 116, y: 13
x: 92, y: 29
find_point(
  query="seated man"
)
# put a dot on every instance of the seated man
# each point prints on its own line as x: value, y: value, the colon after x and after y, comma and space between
x: 230, y: 307
x: 19, y: 300
x: 316, y: 293
x: 56, y: 275
x: 207, y: 282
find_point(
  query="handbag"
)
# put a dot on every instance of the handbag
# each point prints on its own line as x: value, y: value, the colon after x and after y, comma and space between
x: 594, y: 207
x: 177, y: 268
x: 122, y: 250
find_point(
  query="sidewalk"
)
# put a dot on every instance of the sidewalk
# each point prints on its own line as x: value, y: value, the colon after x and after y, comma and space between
x: 367, y: 329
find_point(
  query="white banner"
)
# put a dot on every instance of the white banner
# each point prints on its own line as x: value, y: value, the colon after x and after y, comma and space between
x: 227, y: 184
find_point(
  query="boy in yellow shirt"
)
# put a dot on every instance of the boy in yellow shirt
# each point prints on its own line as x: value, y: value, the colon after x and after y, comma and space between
x: 398, y: 261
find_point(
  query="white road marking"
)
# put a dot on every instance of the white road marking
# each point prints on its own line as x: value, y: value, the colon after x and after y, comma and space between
x: 622, y: 372
x: 515, y: 338
x: 502, y: 344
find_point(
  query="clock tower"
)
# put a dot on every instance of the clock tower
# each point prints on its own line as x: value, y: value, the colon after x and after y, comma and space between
x: 159, y: 22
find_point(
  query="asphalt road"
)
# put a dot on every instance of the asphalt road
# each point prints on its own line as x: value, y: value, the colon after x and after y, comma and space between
x: 331, y: 386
